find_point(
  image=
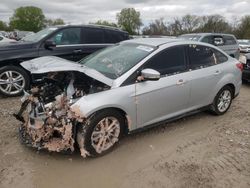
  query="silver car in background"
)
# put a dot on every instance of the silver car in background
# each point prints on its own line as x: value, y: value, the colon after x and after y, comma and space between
x: 121, y: 89
x: 227, y: 42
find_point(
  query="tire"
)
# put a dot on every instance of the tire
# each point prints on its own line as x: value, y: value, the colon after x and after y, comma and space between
x: 93, y: 132
x: 221, y: 105
x: 13, y: 80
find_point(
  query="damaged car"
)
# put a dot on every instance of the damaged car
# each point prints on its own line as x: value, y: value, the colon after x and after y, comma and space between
x: 124, y: 88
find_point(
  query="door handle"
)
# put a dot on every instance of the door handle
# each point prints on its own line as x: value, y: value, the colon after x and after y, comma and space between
x: 77, y: 51
x: 180, y: 82
x: 217, y: 72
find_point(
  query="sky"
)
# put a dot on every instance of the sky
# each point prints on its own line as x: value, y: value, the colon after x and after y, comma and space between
x: 85, y: 11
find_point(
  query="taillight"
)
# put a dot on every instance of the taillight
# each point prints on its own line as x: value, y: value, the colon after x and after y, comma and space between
x: 240, y: 66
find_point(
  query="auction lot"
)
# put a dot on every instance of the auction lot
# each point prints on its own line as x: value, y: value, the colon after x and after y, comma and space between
x: 199, y: 151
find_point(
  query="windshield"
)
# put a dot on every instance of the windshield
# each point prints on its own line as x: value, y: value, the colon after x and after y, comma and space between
x: 39, y: 35
x: 190, y: 37
x: 116, y: 60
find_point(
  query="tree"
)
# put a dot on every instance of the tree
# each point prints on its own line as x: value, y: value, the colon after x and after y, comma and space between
x: 190, y: 23
x: 3, y: 26
x: 215, y: 24
x: 243, y: 31
x: 156, y: 27
x: 27, y: 19
x: 50, y: 22
x: 105, y: 23
x: 129, y: 20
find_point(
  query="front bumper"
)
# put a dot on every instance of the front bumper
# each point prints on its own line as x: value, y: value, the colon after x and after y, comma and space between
x: 47, y: 129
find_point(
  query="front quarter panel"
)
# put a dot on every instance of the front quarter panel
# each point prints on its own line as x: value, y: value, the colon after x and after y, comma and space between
x: 122, y: 98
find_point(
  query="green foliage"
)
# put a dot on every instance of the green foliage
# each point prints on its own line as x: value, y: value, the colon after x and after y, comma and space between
x: 105, y: 23
x: 50, y: 22
x: 27, y: 19
x: 129, y: 20
x: 3, y: 26
x: 243, y: 29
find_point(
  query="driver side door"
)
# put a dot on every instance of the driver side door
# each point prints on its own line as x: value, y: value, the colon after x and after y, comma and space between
x: 68, y: 44
x: 167, y: 97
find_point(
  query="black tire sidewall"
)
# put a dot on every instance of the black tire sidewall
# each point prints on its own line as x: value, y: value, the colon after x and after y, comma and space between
x: 94, y: 120
x: 20, y: 71
x: 216, y: 100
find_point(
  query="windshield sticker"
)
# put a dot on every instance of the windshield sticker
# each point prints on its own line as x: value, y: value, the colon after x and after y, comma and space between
x: 145, y: 48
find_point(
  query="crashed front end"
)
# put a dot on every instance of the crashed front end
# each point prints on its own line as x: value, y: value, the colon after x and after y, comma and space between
x: 48, y: 120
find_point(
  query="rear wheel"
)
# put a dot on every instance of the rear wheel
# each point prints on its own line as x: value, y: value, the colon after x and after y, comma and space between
x: 13, y: 80
x: 222, y: 101
x: 103, y: 132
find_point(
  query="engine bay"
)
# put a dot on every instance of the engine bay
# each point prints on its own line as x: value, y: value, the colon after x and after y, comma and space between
x: 47, y: 119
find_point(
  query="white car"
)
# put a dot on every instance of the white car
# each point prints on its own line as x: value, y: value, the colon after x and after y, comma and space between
x: 4, y: 39
x: 244, y: 46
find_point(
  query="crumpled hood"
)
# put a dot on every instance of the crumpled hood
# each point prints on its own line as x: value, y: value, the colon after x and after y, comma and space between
x: 55, y: 64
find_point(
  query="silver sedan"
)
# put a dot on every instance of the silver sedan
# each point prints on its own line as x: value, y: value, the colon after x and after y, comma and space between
x: 133, y: 85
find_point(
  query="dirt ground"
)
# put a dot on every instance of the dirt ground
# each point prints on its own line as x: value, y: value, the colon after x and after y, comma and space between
x: 199, y: 151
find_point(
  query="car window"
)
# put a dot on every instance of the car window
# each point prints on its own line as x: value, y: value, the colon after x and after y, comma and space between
x: 208, y: 39
x: 169, y: 61
x: 113, y: 36
x: 1, y: 38
x: 200, y: 56
x: 229, y: 40
x: 220, y: 57
x: 93, y: 36
x: 67, y: 36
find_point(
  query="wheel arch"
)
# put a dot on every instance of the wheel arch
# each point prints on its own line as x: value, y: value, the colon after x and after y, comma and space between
x: 121, y: 111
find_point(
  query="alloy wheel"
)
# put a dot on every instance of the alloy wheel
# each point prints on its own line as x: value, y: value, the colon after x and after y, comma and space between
x: 11, y: 82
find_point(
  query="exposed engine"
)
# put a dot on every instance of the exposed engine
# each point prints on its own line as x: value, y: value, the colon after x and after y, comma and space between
x: 48, y: 122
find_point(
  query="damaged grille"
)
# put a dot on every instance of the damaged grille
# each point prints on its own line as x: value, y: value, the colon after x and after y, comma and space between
x: 48, y: 121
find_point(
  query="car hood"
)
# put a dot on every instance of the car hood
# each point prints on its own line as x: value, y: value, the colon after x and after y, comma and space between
x: 55, y: 64
x: 15, y: 45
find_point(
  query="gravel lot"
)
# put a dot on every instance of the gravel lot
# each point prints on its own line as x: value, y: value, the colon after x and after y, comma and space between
x: 199, y: 151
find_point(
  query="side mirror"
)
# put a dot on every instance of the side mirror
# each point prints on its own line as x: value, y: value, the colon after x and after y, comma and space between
x: 49, y: 44
x: 150, y: 74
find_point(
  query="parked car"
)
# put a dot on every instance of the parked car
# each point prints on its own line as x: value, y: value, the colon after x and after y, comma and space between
x: 121, y: 89
x: 244, y: 46
x: 246, y: 68
x: 69, y: 42
x: 226, y: 42
x: 4, y: 39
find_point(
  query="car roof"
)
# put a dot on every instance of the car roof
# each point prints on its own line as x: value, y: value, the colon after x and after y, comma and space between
x: 152, y: 41
x: 92, y: 26
x: 205, y: 34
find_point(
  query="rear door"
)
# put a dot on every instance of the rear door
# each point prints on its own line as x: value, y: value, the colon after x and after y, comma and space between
x: 68, y: 44
x: 167, y: 97
x: 206, y: 71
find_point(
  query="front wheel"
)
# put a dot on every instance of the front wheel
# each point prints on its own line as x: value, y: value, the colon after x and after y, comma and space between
x: 13, y: 80
x: 222, y: 101
x: 103, y: 132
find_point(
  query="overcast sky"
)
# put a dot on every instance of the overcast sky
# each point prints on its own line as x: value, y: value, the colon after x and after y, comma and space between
x: 84, y: 11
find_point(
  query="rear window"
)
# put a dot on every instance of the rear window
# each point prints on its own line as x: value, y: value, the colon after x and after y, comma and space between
x: 113, y: 36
